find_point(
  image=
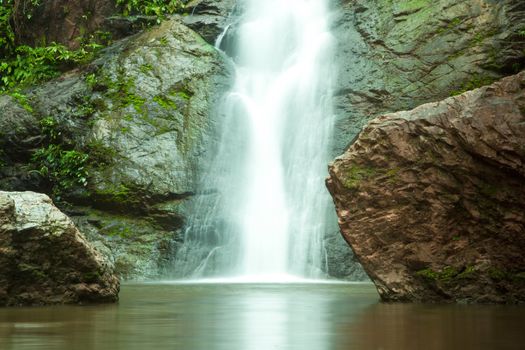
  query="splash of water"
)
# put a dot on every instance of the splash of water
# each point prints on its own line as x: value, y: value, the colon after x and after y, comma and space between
x: 269, y: 214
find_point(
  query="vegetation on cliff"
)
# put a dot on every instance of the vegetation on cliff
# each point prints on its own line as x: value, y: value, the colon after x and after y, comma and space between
x: 22, y: 65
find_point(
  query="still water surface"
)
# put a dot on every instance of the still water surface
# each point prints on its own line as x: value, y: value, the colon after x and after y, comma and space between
x: 260, y: 317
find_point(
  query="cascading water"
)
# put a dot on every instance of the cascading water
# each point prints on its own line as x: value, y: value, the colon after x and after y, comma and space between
x: 267, y: 208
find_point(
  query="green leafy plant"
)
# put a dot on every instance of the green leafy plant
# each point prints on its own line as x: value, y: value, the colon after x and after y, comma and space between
x: 29, y: 65
x: 159, y: 8
x: 49, y: 127
x: 65, y: 169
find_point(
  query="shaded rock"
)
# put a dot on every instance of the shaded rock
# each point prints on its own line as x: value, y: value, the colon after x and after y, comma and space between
x: 44, y: 259
x: 431, y: 200
x: 341, y: 263
x: 61, y: 21
x: 209, y: 18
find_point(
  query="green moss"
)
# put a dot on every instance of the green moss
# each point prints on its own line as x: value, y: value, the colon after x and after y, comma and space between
x: 475, y: 82
x: 91, y: 277
x: 121, y: 92
x: 117, y: 230
x: 497, y: 274
x: 354, y: 175
x: 163, y: 41
x: 185, y: 95
x: 146, y: 68
x: 34, y: 271
x: 392, y: 175
x: 165, y: 102
x: 453, y: 24
x: 428, y: 273
x: 445, y: 275
x: 114, y: 193
x: 468, y: 273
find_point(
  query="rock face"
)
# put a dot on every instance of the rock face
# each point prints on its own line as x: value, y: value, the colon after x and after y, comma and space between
x: 431, y: 200
x: 44, y: 259
x: 396, y: 55
x: 209, y: 17
x: 142, y: 114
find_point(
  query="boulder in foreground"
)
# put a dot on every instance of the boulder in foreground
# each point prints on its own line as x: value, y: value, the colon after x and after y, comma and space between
x: 432, y: 200
x: 44, y: 259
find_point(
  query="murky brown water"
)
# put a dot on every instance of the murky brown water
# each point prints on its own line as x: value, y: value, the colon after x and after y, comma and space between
x: 261, y: 317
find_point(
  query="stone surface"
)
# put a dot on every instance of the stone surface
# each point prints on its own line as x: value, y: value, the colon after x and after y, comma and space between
x: 209, y: 18
x: 396, y: 55
x: 142, y: 112
x: 44, y: 259
x: 431, y: 200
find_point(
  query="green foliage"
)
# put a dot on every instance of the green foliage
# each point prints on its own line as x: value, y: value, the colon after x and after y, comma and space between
x: 28, y: 65
x: 65, y: 169
x: 158, y: 8
x: 7, y: 35
x: 49, y: 127
x: 24, y: 65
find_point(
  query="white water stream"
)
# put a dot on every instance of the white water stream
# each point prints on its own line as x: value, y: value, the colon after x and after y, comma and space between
x: 269, y: 217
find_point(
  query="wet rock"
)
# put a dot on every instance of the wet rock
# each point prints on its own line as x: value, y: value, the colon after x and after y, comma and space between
x: 44, y: 259
x: 431, y: 200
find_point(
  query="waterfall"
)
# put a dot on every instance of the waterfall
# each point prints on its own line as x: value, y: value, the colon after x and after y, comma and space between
x: 266, y: 211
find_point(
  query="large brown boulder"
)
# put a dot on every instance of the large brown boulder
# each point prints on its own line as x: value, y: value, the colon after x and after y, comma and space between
x: 432, y: 200
x: 44, y: 259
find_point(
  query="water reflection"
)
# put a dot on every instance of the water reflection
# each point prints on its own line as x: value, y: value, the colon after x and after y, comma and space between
x: 260, y: 317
